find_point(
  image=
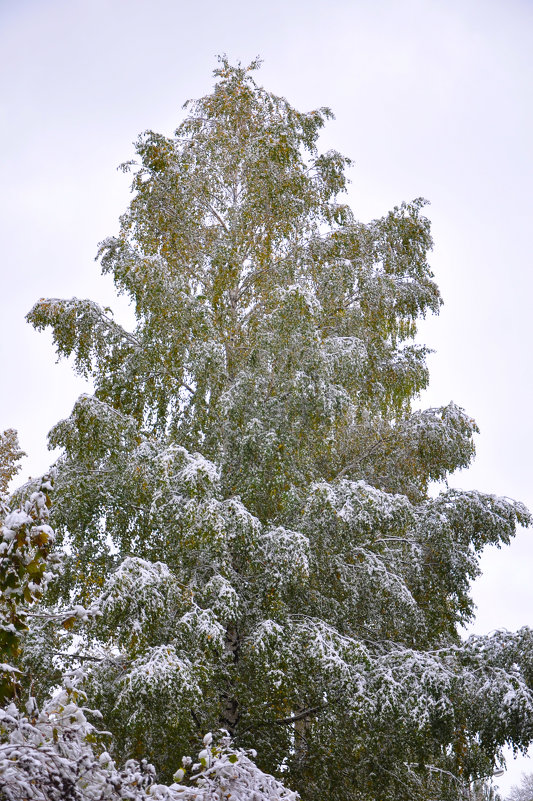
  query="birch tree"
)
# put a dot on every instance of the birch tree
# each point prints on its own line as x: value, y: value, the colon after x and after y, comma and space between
x: 244, y: 497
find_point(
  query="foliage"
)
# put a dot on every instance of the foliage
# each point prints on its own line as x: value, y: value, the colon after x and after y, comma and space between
x: 484, y: 790
x: 222, y: 772
x: 28, y: 562
x: 25, y: 545
x: 46, y: 755
x: 53, y: 755
x: 10, y: 453
x: 53, y: 752
x: 244, y: 498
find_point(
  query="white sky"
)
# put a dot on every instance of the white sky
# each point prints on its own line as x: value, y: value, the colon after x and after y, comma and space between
x: 432, y: 98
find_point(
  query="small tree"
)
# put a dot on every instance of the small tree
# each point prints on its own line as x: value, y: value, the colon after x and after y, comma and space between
x: 10, y: 454
x: 245, y: 496
x: 26, y: 540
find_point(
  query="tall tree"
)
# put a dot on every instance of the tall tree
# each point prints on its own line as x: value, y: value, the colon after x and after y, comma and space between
x: 245, y: 495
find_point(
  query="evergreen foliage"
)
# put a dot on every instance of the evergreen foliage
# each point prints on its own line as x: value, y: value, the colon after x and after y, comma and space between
x: 244, y: 498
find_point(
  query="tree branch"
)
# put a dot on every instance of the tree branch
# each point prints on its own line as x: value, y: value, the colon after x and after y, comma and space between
x: 300, y: 715
x: 215, y: 213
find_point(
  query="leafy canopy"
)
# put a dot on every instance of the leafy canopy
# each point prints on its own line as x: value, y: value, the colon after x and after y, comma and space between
x: 271, y: 325
x: 245, y: 494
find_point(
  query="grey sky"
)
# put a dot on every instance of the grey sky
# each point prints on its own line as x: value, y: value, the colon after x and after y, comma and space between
x: 431, y: 98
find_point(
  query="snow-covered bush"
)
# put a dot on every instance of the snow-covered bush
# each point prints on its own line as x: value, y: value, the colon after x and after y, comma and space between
x: 49, y: 755
x: 222, y: 773
x: 56, y: 754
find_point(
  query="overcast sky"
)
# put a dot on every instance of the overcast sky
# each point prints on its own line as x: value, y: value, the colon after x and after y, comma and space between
x: 432, y: 98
